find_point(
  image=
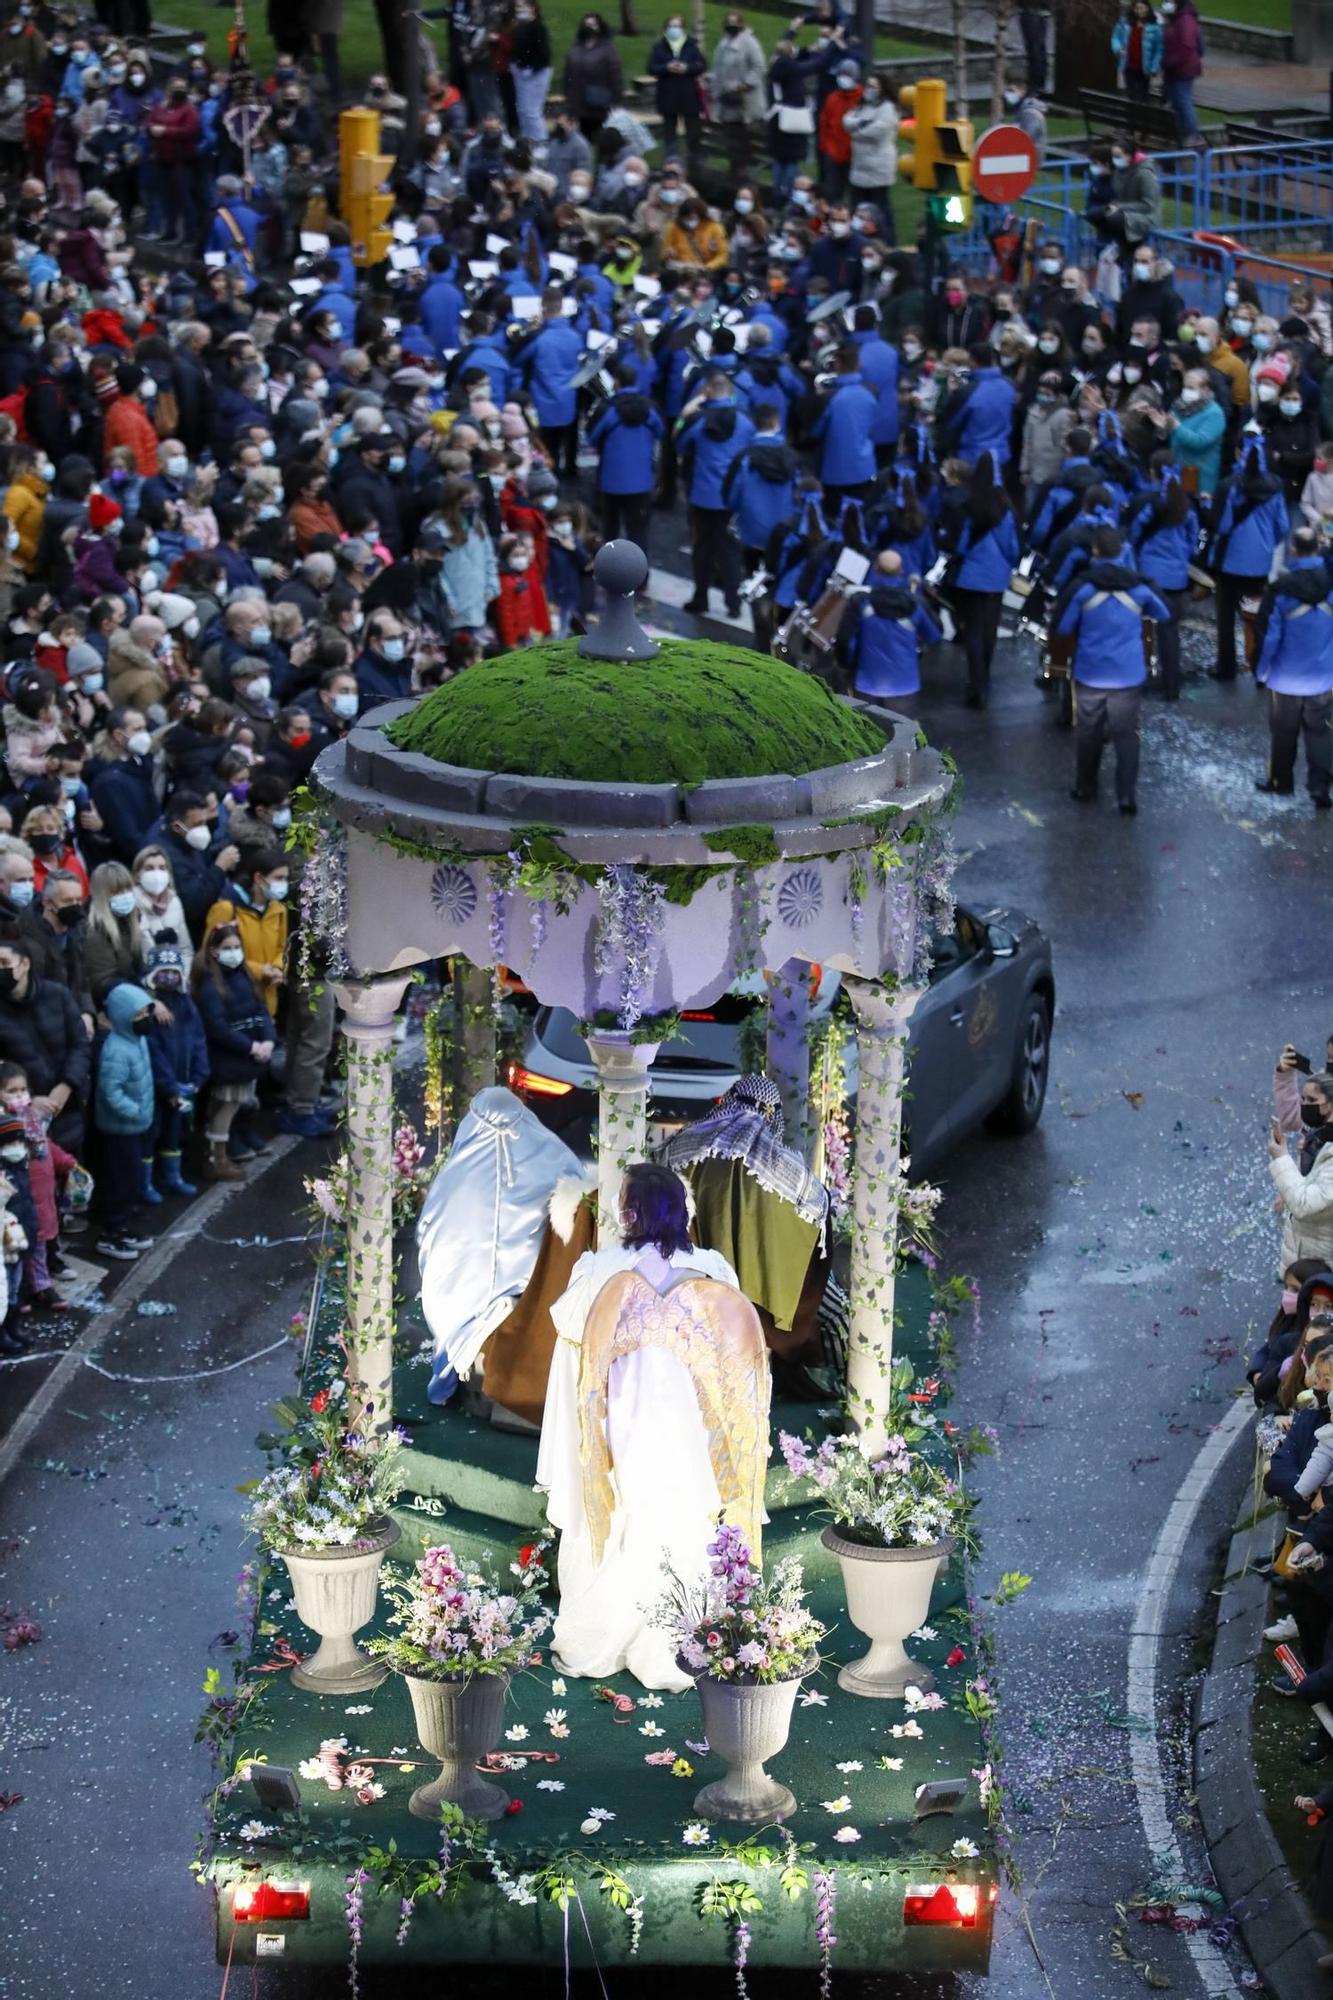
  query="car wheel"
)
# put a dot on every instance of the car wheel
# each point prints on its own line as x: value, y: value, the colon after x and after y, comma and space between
x: 1019, y: 1110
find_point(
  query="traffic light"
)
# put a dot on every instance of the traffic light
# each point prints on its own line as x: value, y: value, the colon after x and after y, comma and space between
x: 940, y: 163
x: 363, y: 172
x: 925, y: 103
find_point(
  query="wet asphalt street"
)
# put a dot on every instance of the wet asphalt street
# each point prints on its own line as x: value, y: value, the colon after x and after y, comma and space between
x: 1123, y: 1253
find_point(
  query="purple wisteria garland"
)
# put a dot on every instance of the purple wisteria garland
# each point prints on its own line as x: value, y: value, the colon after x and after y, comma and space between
x: 354, y: 1909
x: 324, y: 906
x: 742, y: 1958
x: 629, y: 936
x: 826, y: 1900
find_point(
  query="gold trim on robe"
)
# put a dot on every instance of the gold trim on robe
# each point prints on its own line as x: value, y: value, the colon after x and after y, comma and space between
x: 715, y: 1332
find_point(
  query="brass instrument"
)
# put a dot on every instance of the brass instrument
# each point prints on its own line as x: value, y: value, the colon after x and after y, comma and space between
x: 806, y: 638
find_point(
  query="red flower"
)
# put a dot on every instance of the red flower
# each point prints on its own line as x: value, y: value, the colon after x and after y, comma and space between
x: 529, y: 1554
x: 317, y: 1468
x: 514, y: 1806
x: 956, y: 1657
x: 320, y: 1403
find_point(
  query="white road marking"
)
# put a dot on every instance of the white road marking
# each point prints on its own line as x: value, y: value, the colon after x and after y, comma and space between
x: 140, y: 1280
x: 1150, y: 1620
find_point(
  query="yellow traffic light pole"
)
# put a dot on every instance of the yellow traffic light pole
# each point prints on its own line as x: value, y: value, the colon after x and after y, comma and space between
x: 363, y: 174
x: 940, y: 163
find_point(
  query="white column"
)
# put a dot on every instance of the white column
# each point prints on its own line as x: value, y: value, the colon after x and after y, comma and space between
x: 368, y: 1023
x: 882, y: 1013
x: 622, y: 1119
x: 788, y: 1055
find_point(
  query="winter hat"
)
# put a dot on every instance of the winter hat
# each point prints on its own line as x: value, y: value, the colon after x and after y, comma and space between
x: 410, y: 378
x: 1275, y: 369
x: 11, y: 1131
x: 228, y: 187
x: 165, y: 956
x: 171, y: 608
x: 84, y: 659
x: 512, y: 424
x: 102, y: 512
x: 540, y: 481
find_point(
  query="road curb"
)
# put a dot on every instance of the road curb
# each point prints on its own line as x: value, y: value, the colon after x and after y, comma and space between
x: 1251, y: 1870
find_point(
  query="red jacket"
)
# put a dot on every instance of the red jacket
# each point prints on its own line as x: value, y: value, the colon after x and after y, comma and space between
x: 519, y: 613
x: 174, y: 130
x: 521, y: 517
x: 127, y: 422
x: 835, y: 141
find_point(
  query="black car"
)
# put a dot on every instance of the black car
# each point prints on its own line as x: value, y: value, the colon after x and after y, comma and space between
x: 979, y: 1046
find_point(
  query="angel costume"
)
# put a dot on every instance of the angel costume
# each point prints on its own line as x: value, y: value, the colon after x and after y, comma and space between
x: 656, y: 1421
x: 498, y: 1234
x: 757, y: 1202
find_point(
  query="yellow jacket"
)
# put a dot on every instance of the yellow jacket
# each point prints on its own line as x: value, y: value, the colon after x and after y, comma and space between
x: 25, y: 505
x: 705, y: 247
x: 1227, y: 362
x: 263, y: 938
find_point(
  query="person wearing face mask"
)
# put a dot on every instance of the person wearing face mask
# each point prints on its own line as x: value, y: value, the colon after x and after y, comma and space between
x: 184, y: 831
x: 1044, y: 299
x: 1291, y: 434
x: 676, y: 62
x: 42, y: 1031
x: 1295, y: 665
x: 363, y: 483
x: 1046, y: 429
x: 1306, y: 1286
x: 833, y: 140
x: 1182, y: 65
x: 120, y: 780
x: 530, y: 68
x: 1306, y: 1193
x: 569, y: 582
x: 872, y: 126
x: 1126, y: 206
x: 1247, y: 528
x: 263, y: 819
x: 160, y: 908
x: 957, y: 317
x: 384, y: 670
x: 238, y: 1032
x: 114, y: 947
x: 1149, y: 295
x: 256, y: 908
x: 737, y: 89
x: 593, y: 81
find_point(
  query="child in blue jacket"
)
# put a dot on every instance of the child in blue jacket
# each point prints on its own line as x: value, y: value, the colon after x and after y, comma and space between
x: 178, y: 1053
x: 123, y: 1116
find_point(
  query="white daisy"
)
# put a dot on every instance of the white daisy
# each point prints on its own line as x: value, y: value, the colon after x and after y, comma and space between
x: 651, y: 1729
x: 553, y: 1716
x: 650, y: 1701
x: 852, y: 1764
x: 310, y: 1767
x: 965, y: 1850
x: 557, y: 1685
x: 812, y: 1698
x: 907, y: 1729
x: 255, y: 1829
x: 846, y: 1833
x: 838, y: 1805
x: 599, y: 1813
x: 362, y: 1708
x: 518, y: 1734
x: 550, y: 1784
x: 924, y: 1632
x: 696, y: 1834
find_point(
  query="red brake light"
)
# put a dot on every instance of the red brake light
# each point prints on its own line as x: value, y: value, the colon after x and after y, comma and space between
x: 697, y: 1014
x: 941, y: 1903
x: 262, y: 1902
x: 535, y: 1085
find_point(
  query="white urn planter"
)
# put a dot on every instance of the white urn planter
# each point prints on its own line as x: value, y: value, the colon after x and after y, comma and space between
x: 458, y: 1722
x: 746, y: 1725
x: 888, y: 1596
x: 335, y: 1591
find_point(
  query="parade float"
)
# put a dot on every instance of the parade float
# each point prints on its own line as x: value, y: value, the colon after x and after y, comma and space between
x: 630, y: 831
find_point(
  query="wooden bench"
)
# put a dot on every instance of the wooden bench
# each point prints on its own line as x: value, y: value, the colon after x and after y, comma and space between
x: 1104, y: 111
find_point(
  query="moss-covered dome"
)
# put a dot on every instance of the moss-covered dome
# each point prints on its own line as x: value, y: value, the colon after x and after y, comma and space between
x: 696, y: 711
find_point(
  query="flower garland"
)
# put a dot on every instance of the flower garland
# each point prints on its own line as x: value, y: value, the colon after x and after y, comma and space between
x: 354, y: 1909
x: 629, y: 935
x: 826, y: 1902
x: 324, y: 908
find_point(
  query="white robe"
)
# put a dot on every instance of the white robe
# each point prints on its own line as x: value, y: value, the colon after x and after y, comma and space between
x: 667, y: 1500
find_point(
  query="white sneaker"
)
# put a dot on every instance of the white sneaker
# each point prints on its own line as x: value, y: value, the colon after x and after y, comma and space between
x: 1286, y: 1628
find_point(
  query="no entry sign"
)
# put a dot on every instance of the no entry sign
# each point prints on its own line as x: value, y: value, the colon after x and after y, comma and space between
x: 1004, y: 164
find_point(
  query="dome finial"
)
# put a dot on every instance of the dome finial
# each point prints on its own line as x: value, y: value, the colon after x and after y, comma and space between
x: 622, y: 569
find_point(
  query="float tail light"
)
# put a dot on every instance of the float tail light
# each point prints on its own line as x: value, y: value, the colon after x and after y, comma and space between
x: 533, y: 1084
x: 947, y: 1903
x: 267, y: 1902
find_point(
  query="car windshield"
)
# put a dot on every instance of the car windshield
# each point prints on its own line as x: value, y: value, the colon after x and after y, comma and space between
x: 709, y: 1037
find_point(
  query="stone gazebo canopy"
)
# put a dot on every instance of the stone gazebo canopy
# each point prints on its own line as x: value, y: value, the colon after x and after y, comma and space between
x: 632, y: 829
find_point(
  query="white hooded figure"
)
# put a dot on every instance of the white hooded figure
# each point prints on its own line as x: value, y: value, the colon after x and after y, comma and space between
x: 481, y: 1227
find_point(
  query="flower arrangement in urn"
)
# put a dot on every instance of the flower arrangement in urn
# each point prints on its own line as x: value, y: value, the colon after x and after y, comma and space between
x: 457, y: 1637
x: 894, y: 1520
x: 748, y: 1642
x: 324, y: 1509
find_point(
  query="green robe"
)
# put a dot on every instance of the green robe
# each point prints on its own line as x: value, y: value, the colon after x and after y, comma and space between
x: 761, y: 1236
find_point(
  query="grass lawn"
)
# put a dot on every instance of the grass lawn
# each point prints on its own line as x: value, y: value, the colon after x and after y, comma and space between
x: 363, y: 52
x: 1274, y: 14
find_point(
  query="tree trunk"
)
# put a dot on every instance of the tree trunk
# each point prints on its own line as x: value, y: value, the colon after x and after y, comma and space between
x: 959, y: 58
x: 394, y: 31
x: 1083, y: 59
x: 629, y: 26
x: 1003, y: 14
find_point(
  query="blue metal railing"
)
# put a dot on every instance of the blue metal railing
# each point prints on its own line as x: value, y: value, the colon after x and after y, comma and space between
x: 1284, y: 190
